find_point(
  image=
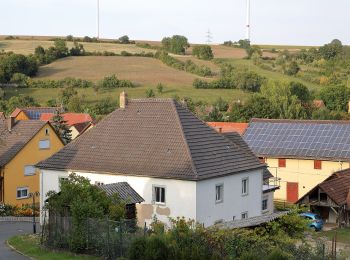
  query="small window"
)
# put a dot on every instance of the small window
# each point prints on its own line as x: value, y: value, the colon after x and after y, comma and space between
x: 29, y: 170
x: 245, y: 184
x: 219, y: 193
x: 22, y: 193
x: 44, y: 144
x: 244, y: 215
x: 159, y: 194
x: 47, y: 131
x: 317, y: 164
x: 264, y: 204
x: 282, y: 163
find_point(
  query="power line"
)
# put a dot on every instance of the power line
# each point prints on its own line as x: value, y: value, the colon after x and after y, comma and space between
x: 209, y: 37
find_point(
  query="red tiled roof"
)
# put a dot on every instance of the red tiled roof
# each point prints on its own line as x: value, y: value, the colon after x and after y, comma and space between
x: 229, y: 127
x: 71, y: 118
x: 16, y: 112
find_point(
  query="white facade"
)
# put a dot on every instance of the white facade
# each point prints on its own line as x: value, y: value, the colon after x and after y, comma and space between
x: 189, y: 199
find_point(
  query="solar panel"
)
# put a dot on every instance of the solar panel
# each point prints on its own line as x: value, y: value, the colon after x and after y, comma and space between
x: 278, y: 137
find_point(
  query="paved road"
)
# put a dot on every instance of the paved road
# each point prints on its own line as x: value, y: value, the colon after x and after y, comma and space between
x: 9, y: 229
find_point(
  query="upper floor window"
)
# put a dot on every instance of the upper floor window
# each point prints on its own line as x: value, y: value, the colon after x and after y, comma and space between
x: 159, y: 194
x: 219, y: 193
x: 282, y: 163
x: 317, y: 164
x: 29, y: 170
x: 47, y: 131
x: 44, y: 144
x: 245, y: 184
x: 244, y: 215
x: 22, y: 192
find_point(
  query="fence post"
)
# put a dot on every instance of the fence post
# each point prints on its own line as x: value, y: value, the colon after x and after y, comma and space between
x: 121, y: 237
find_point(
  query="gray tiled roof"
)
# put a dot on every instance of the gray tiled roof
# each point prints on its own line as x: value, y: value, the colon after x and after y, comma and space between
x: 12, y: 142
x: 124, y: 191
x: 309, y: 139
x: 157, y: 138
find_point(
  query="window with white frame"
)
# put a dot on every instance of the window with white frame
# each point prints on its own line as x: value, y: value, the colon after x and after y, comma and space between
x: 219, y: 193
x: 245, y: 185
x: 159, y: 194
x: 264, y: 203
x: 29, y: 170
x: 244, y: 215
x: 44, y: 144
x: 22, y: 192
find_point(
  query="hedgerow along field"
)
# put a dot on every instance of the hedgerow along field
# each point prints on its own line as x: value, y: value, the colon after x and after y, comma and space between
x: 145, y: 72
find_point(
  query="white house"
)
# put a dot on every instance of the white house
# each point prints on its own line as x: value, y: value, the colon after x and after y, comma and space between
x: 178, y: 164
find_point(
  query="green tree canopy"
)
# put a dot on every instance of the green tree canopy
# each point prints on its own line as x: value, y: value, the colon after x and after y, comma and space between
x: 176, y: 44
x: 335, y: 97
x: 203, y: 52
x: 61, y: 127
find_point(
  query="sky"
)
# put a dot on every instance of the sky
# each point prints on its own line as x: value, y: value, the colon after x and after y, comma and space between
x: 294, y: 22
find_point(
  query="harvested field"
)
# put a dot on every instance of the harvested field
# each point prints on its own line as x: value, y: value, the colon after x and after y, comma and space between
x: 140, y: 70
x: 28, y: 46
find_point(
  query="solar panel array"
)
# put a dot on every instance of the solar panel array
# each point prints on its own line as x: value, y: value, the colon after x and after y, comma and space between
x: 35, y: 113
x: 299, y: 140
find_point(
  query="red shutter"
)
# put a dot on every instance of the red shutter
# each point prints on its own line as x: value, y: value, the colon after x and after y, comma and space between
x: 292, y: 192
x: 317, y: 164
x: 282, y: 163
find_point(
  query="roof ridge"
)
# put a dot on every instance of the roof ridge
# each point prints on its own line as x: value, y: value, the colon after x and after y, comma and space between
x: 305, y: 121
x: 173, y: 104
x: 163, y: 100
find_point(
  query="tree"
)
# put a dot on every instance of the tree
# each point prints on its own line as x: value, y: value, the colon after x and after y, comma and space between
x: 331, y: 50
x: 176, y: 44
x: 69, y: 38
x: 301, y: 91
x: 20, y: 101
x: 77, y: 50
x: 16, y: 63
x: 61, y: 127
x: 335, y: 97
x: 291, y: 68
x: 160, y: 88
x: 150, y: 93
x: 66, y: 94
x: 60, y: 48
x: 203, y: 52
x: 124, y: 39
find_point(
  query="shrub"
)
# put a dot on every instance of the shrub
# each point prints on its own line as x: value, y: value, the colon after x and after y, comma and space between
x: 111, y: 82
x: 137, y: 248
x: 160, y: 88
x: 203, y: 52
x: 150, y: 93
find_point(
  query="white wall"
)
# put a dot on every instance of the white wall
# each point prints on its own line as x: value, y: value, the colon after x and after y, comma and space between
x: 234, y: 203
x: 180, y: 195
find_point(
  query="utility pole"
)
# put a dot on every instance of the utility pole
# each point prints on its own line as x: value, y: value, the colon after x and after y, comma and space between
x: 209, y: 37
x: 247, y: 35
x: 98, y: 19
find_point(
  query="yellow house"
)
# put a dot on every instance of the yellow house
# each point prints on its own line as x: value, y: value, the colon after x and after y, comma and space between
x: 22, y: 145
x: 300, y: 153
x: 32, y: 113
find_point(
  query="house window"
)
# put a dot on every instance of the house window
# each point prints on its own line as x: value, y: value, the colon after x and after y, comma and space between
x: 245, y: 184
x: 282, y: 163
x: 44, y: 144
x: 29, y: 170
x: 219, y: 193
x: 47, y: 131
x: 22, y: 193
x: 264, y: 203
x: 99, y: 183
x: 317, y: 164
x: 159, y: 194
x: 244, y: 215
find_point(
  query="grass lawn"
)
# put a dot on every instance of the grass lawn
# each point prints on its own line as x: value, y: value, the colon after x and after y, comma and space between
x: 30, y: 246
x: 343, y: 234
x: 271, y: 75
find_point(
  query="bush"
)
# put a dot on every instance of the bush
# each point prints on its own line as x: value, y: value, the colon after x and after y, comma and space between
x: 176, y: 44
x: 150, y: 93
x: 203, y: 52
x: 111, y: 82
x: 137, y: 248
x: 160, y: 88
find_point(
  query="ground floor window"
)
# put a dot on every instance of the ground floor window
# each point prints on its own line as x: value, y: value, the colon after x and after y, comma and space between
x: 159, y: 194
x: 264, y: 203
x: 219, y: 190
x: 244, y: 215
x: 22, y: 192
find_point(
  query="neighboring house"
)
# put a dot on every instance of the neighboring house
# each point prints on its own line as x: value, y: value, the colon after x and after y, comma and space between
x: 32, y: 113
x: 300, y: 153
x: 228, y: 127
x: 78, y: 122
x: 22, y: 145
x: 331, y: 198
x: 178, y: 164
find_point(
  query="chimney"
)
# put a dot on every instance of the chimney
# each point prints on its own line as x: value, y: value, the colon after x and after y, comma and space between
x: 10, y: 123
x: 123, y: 99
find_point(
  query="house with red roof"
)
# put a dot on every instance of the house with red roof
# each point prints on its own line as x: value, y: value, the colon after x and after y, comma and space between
x: 229, y: 127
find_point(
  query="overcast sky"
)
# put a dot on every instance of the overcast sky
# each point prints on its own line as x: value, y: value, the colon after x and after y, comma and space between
x: 299, y: 22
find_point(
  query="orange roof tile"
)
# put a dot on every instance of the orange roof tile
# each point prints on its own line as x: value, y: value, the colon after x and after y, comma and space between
x: 227, y: 127
x: 71, y: 118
